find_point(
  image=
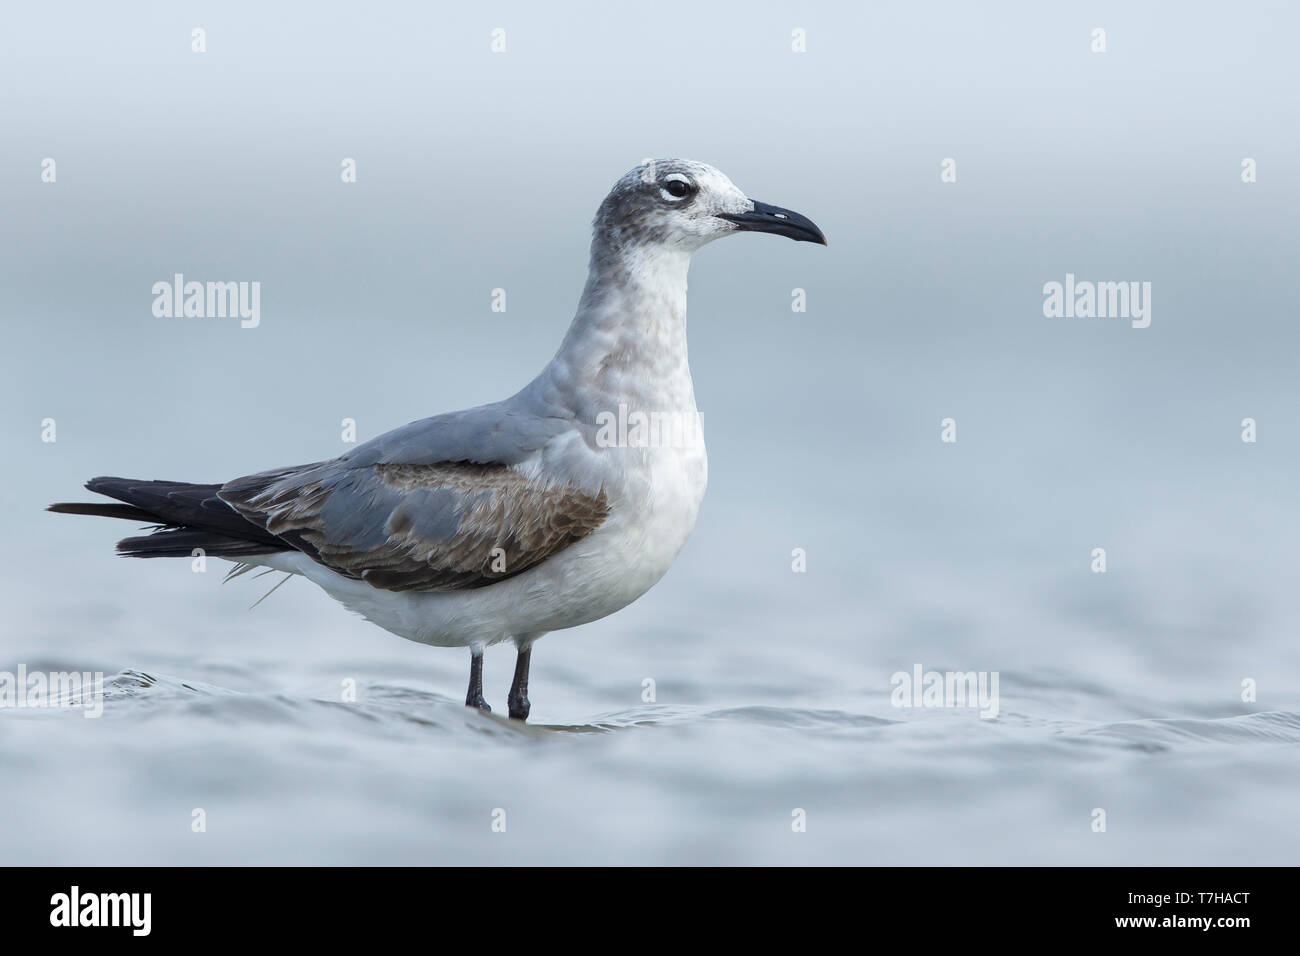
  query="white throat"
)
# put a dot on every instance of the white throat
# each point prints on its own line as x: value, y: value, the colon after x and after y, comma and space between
x: 627, y: 341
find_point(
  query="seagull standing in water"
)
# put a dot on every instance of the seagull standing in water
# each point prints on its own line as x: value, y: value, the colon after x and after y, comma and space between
x: 510, y: 520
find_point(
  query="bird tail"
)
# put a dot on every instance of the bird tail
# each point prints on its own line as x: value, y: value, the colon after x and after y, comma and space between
x: 184, y: 517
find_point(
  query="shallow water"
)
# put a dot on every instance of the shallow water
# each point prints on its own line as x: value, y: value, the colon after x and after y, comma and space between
x: 285, y: 771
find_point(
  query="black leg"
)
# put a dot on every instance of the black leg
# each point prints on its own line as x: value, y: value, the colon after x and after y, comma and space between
x: 518, y: 699
x: 474, y: 698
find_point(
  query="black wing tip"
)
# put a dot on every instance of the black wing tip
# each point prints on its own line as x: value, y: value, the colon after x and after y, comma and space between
x: 102, y: 485
x: 103, y: 510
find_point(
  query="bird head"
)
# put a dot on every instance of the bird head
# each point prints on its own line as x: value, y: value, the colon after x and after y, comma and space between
x: 682, y: 204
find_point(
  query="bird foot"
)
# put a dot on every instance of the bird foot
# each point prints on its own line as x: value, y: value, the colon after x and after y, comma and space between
x: 519, y: 707
x: 478, y: 703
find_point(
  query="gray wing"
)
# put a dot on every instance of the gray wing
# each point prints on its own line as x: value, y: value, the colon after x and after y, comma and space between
x: 431, y: 506
x: 503, y: 433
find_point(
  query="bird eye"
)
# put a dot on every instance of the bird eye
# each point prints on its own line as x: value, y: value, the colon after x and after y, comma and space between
x: 678, y: 188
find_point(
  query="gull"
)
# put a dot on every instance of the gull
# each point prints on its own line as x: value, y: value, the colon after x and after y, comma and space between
x: 553, y: 508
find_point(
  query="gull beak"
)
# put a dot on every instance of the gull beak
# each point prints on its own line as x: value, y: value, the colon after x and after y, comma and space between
x: 774, y: 219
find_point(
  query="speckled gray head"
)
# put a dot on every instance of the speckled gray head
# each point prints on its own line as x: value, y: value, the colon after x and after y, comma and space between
x: 684, y: 204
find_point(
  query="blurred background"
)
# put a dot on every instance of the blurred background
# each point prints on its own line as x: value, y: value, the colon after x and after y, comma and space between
x: 479, y: 170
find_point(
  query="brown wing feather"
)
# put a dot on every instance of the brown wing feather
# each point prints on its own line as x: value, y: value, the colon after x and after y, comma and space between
x: 445, y: 526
